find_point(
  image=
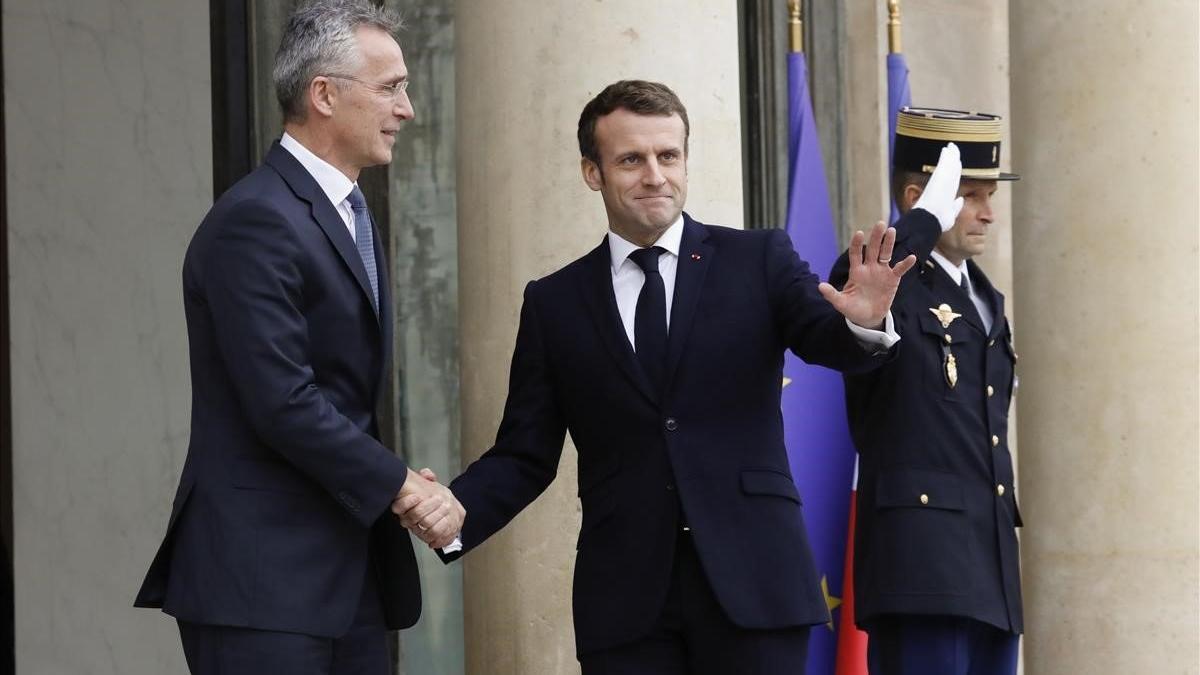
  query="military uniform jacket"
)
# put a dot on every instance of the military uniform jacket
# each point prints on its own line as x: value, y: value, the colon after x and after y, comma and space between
x: 937, y: 512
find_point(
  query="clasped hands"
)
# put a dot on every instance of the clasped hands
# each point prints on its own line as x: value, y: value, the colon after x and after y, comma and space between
x: 871, y: 286
x: 429, y: 509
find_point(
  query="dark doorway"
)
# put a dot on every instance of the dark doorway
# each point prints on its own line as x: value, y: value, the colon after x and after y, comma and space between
x: 231, y: 113
x: 763, y: 34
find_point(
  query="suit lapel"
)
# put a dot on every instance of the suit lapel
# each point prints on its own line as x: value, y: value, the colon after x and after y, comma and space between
x: 305, y: 187
x: 597, y: 291
x: 695, y: 256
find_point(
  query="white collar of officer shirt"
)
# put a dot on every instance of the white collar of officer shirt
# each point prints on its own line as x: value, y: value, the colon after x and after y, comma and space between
x: 956, y: 272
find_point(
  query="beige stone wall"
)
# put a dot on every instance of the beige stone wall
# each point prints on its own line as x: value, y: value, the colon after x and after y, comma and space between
x: 1104, y: 117
x: 109, y: 157
x: 524, y: 73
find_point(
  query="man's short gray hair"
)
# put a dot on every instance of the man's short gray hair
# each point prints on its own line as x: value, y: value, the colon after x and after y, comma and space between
x: 319, y: 40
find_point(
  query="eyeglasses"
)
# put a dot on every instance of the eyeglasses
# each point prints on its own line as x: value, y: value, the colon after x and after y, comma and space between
x: 395, y: 91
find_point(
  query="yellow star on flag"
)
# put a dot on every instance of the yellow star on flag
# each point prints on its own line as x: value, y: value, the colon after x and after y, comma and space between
x: 831, y: 602
x: 787, y: 381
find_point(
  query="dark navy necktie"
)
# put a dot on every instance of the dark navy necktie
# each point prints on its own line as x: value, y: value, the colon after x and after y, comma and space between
x: 650, y: 318
x: 364, y: 240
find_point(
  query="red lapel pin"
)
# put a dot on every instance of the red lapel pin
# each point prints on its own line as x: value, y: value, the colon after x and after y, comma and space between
x: 695, y: 256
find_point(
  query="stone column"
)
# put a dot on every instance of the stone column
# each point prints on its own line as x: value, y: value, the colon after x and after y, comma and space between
x: 866, y: 117
x: 1104, y: 120
x: 525, y: 70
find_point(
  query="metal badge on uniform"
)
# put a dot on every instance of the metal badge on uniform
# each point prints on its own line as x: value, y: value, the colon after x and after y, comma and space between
x: 945, y: 314
x: 951, y: 366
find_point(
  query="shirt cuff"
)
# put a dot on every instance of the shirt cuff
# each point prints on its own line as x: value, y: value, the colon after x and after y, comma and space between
x: 456, y: 545
x: 876, y: 341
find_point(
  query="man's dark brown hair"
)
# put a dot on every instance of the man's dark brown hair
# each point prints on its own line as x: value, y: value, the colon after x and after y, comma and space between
x: 901, y: 179
x: 636, y: 96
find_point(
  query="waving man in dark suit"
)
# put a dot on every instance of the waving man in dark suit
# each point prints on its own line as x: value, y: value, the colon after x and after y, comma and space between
x: 661, y: 352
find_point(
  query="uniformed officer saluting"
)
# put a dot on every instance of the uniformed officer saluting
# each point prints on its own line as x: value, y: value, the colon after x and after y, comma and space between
x: 936, y: 576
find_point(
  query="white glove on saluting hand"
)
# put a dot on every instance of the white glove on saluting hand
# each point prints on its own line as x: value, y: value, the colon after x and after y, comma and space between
x: 940, y: 195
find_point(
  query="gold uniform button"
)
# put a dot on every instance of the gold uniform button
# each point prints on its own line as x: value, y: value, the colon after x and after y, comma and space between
x: 995, y: 441
x: 948, y: 338
x: 924, y: 499
x: 1000, y: 490
x: 991, y: 391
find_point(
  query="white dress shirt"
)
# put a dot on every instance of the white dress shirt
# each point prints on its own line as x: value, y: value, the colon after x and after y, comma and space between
x: 958, y: 273
x: 628, y: 278
x: 336, y: 186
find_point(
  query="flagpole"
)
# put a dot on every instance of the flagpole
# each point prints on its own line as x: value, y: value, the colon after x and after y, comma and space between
x: 893, y: 25
x: 796, y: 25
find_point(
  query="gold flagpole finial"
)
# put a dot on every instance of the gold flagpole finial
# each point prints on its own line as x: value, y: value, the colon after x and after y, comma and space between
x: 796, y: 26
x: 893, y: 25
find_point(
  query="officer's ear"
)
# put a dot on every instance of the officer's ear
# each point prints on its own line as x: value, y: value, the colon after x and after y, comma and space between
x: 911, y: 194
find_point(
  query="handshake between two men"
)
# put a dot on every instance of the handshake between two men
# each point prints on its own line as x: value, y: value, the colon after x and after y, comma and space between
x: 429, y: 509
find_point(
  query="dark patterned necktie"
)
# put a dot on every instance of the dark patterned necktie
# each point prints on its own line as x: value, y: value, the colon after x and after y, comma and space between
x: 364, y: 240
x: 650, y: 318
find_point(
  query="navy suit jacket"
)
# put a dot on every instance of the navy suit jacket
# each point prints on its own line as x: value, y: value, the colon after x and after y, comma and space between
x: 936, y: 509
x: 712, y: 443
x: 284, y: 496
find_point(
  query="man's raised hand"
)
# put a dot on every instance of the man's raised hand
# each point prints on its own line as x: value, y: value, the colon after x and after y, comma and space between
x: 867, y: 296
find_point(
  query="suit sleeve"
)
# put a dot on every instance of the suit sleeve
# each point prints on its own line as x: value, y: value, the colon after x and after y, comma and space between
x: 524, y: 460
x: 917, y: 232
x: 809, y: 325
x: 255, y: 291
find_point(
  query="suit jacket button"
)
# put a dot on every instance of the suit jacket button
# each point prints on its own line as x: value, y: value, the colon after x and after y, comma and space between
x: 995, y: 441
x: 1000, y: 490
x: 924, y: 499
x: 991, y: 391
x: 670, y: 487
x: 671, y: 424
x: 992, y: 343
